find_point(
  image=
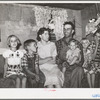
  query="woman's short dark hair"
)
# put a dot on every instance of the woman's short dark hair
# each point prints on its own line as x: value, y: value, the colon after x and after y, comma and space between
x: 40, y: 32
x: 69, y: 23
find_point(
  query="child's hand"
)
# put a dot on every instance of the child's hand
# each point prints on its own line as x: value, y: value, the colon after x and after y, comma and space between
x: 98, y: 69
x: 70, y: 63
x: 85, y: 70
x: 37, y: 78
x: 91, y: 72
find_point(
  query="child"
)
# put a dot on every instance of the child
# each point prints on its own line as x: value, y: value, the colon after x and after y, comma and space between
x: 87, y: 65
x: 12, y: 68
x: 73, y: 54
x: 30, y: 63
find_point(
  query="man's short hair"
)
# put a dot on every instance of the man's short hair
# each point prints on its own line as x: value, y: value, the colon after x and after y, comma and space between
x: 70, y: 23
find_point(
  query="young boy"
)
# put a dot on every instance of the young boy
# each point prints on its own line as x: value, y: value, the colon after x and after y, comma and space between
x: 30, y: 63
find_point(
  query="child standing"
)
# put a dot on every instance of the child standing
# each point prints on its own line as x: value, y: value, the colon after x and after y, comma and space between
x: 87, y: 65
x: 12, y: 68
x: 30, y: 63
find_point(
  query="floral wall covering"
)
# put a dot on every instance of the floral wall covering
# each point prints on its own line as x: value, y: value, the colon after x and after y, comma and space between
x: 25, y: 20
x: 43, y: 14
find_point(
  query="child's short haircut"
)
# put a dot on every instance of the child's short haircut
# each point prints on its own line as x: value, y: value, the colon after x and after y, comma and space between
x: 85, y: 39
x: 18, y: 41
x: 28, y: 42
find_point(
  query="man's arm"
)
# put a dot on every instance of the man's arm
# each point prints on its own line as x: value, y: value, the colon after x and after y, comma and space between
x: 61, y: 56
x: 81, y: 55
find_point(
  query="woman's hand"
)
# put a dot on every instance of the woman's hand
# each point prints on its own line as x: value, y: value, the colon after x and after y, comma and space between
x: 45, y: 60
x: 52, y: 62
x: 49, y: 58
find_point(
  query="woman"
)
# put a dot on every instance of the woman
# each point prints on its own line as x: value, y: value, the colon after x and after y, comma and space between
x: 47, y: 53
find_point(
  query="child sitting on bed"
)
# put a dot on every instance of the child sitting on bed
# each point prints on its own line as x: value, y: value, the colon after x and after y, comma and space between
x: 30, y: 63
x: 12, y: 67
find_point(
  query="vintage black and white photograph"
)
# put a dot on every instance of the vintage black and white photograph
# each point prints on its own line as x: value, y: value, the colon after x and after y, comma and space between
x: 49, y: 45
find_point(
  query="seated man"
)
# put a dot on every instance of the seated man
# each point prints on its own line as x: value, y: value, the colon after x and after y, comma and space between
x: 74, y: 74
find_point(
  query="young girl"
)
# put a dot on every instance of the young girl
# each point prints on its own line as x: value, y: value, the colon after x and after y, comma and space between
x: 47, y: 53
x: 12, y: 68
x: 87, y: 65
x: 73, y: 54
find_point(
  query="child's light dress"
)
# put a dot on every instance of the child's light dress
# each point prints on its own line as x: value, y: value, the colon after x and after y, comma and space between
x: 13, y: 62
x: 70, y: 54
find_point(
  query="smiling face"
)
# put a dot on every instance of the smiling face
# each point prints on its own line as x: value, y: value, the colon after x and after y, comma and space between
x: 13, y: 42
x: 68, y: 31
x: 72, y: 45
x: 85, y: 43
x: 45, y: 36
x: 32, y: 47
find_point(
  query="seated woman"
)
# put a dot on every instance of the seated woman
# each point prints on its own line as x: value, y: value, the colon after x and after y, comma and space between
x: 47, y: 53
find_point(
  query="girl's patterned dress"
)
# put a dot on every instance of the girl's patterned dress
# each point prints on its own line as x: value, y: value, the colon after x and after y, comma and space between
x: 13, y: 62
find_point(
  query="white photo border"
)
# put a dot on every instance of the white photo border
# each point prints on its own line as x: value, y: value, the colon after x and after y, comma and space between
x: 45, y: 93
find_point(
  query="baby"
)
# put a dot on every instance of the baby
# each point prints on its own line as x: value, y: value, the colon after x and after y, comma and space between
x: 73, y: 54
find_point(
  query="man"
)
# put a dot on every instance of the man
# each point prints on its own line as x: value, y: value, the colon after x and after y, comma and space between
x: 74, y: 74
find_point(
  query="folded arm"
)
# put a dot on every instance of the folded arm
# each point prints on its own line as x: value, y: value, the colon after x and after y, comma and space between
x: 44, y: 60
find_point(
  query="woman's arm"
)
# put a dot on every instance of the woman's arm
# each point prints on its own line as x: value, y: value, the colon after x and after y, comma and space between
x: 44, y: 60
